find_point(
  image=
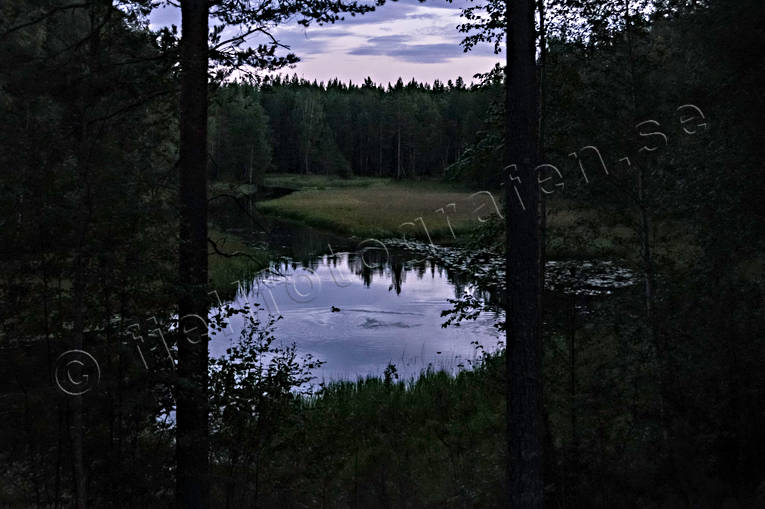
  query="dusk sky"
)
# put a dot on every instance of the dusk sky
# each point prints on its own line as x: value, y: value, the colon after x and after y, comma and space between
x: 405, y: 38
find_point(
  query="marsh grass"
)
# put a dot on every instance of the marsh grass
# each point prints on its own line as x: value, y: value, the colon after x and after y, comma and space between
x: 435, y: 441
x: 379, y: 208
x: 319, y: 182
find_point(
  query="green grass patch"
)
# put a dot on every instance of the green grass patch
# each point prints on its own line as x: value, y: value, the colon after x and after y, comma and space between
x: 319, y: 182
x: 379, y: 208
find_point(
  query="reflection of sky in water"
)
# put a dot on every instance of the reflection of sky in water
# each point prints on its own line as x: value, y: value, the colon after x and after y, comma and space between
x: 391, y: 313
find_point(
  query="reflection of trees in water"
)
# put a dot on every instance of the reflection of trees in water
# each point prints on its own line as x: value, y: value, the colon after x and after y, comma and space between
x: 398, y: 276
x: 395, y: 266
x: 366, y: 259
x: 389, y: 266
x: 368, y: 263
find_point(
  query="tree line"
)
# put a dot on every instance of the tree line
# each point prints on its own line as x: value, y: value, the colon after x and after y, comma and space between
x: 292, y: 125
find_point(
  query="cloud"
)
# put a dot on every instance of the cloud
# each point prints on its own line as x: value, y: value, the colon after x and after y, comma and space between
x: 428, y: 53
x: 406, y: 9
x: 402, y: 48
x: 307, y: 41
x: 421, y: 53
x: 388, y: 12
x: 400, y: 38
x: 386, y: 41
x: 394, y: 46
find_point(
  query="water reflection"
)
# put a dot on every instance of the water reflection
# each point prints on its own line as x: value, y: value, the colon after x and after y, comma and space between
x: 359, y: 305
x: 361, y: 310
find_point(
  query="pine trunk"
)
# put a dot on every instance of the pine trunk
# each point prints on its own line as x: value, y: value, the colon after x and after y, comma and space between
x: 524, y: 421
x: 192, y: 482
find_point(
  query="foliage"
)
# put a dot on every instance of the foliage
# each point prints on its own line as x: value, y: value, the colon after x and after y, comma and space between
x: 87, y: 245
x: 251, y: 389
x: 412, y: 130
x: 430, y: 442
x: 239, y: 148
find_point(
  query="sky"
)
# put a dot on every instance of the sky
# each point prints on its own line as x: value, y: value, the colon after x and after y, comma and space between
x: 406, y: 39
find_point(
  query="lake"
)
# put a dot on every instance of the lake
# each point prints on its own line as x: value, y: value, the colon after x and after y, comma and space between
x: 360, y: 311
x: 361, y: 305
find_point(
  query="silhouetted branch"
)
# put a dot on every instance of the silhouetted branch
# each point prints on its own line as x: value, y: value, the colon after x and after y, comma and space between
x: 235, y: 254
x: 44, y: 17
x: 242, y: 207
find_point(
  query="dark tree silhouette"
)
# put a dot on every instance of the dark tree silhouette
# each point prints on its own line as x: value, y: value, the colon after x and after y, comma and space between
x: 192, y: 485
x: 522, y: 261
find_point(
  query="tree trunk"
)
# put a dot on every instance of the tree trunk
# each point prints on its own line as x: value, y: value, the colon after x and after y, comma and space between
x: 379, y: 151
x: 77, y: 425
x: 541, y: 149
x: 573, y: 464
x: 192, y: 482
x: 398, y: 153
x: 524, y: 421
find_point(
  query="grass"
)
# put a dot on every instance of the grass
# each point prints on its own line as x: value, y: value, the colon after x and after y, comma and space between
x: 320, y: 182
x: 370, y: 207
x: 226, y: 272
x: 376, y: 207
x: 436, y: 441
x: 379, y: 208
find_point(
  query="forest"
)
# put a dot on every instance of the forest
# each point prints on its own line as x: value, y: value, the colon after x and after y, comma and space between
x: 401, y: 131
x: 577, y: 234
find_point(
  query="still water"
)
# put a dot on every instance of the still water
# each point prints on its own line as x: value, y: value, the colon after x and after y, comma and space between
x: 359, y: 311
x: 359, y: 305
